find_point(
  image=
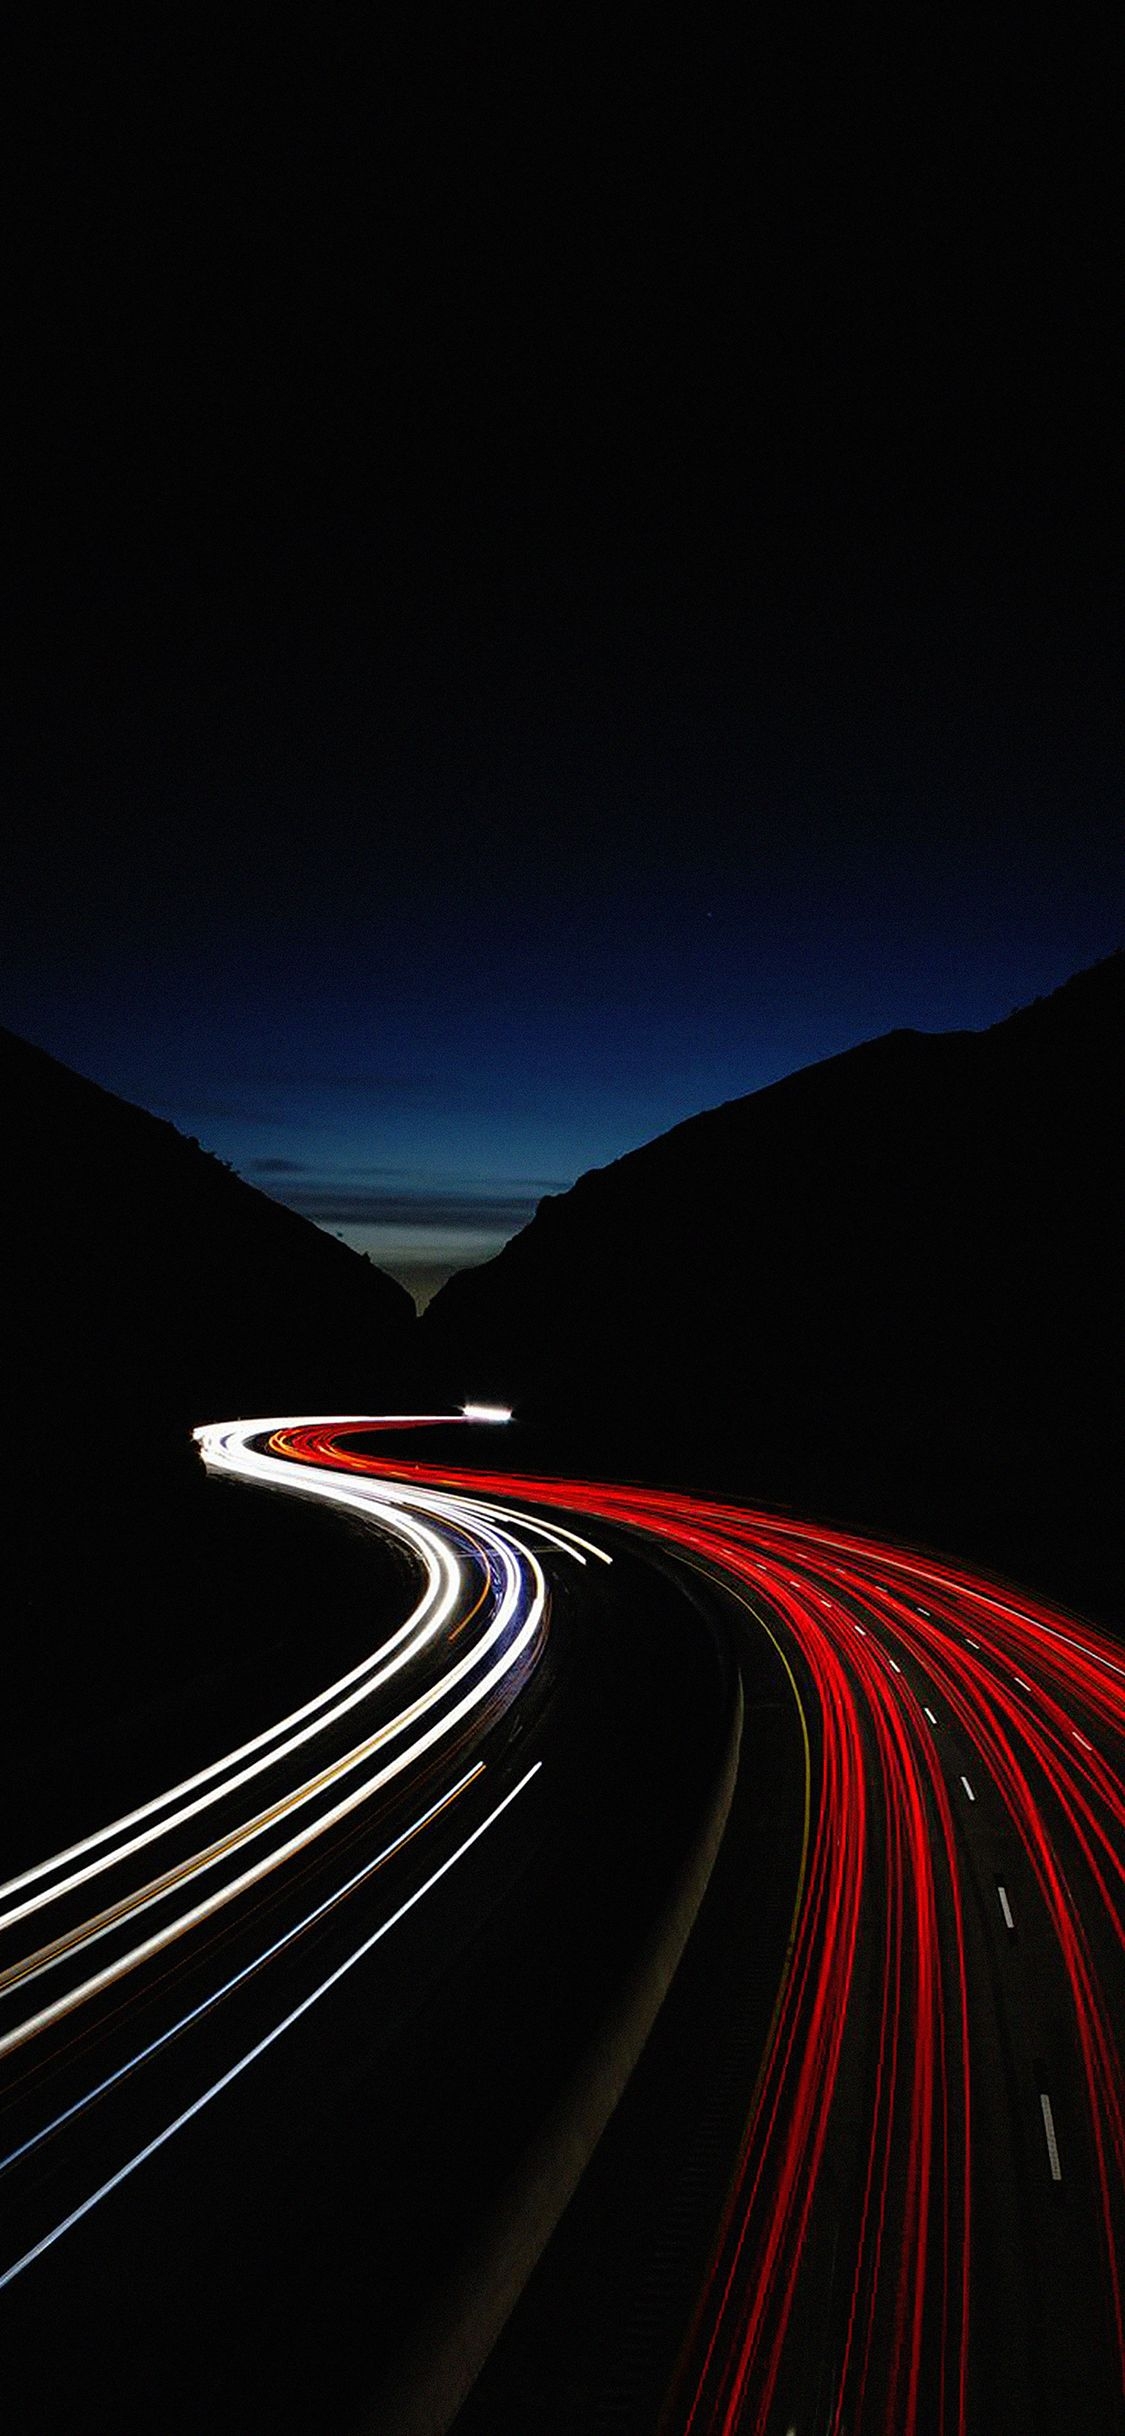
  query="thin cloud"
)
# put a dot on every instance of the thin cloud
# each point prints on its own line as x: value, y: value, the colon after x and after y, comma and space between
x: 350, y: 1178
x: 485, y: 1212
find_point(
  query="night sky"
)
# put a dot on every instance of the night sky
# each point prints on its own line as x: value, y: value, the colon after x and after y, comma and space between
x: 559, y: 567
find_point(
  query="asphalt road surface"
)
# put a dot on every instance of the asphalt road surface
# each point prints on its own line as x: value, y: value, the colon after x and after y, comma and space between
x: 917, y: 2219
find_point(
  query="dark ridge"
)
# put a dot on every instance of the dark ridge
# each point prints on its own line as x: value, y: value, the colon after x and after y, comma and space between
x: 146, y: 1288
x: 145, y: 1278
x: 886, y: 1289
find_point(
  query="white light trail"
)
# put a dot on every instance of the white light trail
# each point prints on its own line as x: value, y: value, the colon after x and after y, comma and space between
x: 197, y: 1913
x: 114, y: 2181
x: 267, y: 1758
x: 440, y: 1583
x: 465, y: 1685
x: 208, y: 2003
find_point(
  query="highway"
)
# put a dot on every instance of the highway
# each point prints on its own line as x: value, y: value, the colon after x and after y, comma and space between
x: 924, y: 2206
x: 109, y: 1909
x: 924, y: 2223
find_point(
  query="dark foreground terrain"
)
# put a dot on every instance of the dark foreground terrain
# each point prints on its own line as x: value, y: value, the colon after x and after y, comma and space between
x: 887, y: 1289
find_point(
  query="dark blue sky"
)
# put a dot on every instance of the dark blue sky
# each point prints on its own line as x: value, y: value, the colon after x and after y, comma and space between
x: 555, y: 574
x: 415, y: 1073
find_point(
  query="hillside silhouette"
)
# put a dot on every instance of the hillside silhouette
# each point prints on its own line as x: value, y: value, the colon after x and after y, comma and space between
x: 148, y: 1278
x: 886, y: 1289
x: 146, y: 1289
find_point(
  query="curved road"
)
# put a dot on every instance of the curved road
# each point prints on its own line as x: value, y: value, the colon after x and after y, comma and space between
x: 924, y: 2220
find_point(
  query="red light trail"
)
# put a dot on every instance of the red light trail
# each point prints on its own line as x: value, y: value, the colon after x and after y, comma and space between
x: 947, y: 1722
x: 921, y: 2231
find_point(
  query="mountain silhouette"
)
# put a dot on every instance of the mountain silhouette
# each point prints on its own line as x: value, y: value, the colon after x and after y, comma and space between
x: 146, y: 1279
x: 886, y: 1289
x: 147, y: 1289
